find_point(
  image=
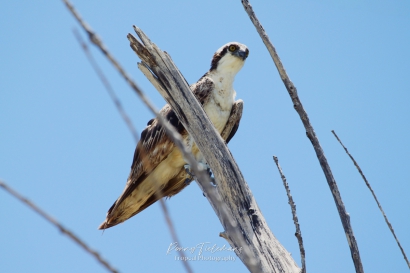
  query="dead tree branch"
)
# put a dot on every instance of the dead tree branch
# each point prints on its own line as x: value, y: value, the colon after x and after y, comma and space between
x: 107, y: 85
x: 131, y: 127
x: 272, y: 256
x: 59, y: 226
x: 375, y: 198
x: 298, y: 233
x: 297, y: 104
x: 262, y: 246
x: 201, y: 174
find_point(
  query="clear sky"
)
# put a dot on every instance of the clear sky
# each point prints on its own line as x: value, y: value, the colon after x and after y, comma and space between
x: 64, y: 146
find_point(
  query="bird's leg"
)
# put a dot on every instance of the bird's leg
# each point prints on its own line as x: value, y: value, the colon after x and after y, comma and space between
x: 190, y: 177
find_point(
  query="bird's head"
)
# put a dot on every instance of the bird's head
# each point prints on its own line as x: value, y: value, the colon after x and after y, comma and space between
x: 229, y: 58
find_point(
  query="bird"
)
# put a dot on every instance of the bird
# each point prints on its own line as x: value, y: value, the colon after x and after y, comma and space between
x: 157, y: 169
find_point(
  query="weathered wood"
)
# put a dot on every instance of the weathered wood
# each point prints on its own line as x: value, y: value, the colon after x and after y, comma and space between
x: 298, y: 233
x: 262, y: 252
x: 310, y: 133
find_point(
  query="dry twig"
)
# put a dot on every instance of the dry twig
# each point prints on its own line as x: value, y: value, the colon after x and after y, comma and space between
x: 59, y: 226
x: 201, y: 175
x: 130, y: 126
x: 107, y: 85
x: 255, y: 229
x: 297, y: 104
x: 375, y: 198
x: 247, y: 228
x: 298, y: 233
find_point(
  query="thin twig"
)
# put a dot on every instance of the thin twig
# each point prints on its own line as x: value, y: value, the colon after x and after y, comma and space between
x: 59, y: 226
x: 98, y: 42
x: 201, y: 174
x: 135, y: 135
x: 174, y: 233
x: 171, y: 132
x: 344, y: 216
x: 239, y: 213
x: 375, y: 198
x: 298, y: 233
x: 107, y: 85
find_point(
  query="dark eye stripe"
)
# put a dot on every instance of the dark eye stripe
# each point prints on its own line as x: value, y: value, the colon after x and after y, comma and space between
x: 218, y: 55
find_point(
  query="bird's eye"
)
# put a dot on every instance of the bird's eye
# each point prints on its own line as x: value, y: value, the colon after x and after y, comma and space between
x: 232, y: 48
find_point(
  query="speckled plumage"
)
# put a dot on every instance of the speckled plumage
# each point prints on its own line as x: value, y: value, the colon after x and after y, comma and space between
x: 157, y: 169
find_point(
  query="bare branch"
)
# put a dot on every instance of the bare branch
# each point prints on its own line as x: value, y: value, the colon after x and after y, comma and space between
x: 127, y: 120
x: 344, y: 216
x: 59, y: 226
x: 255, y: 238
x: 298, y: 233
x: 107, y: 85
x: 175, y: 137
x: 375, y: 198
x: 174, y: 234
x: 171, y: 132
x: 100, y: 45
x: 274, y: 255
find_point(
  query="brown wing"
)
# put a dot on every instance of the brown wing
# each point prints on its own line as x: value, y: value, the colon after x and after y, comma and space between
x: 178, y: 183
x: 203, y: 89
x: 154, y: 146
x: 232, y: 124
x: 174, y: 186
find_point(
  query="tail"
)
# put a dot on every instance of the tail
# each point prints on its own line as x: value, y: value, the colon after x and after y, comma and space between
x: 110, y: 221
x: 106, y: 224
x: 132, y: 204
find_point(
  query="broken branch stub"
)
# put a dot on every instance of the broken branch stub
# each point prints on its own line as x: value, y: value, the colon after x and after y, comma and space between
x: 244, y: 224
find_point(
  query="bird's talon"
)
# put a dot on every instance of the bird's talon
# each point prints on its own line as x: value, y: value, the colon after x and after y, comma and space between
x: 188, y: 181
x: 213, y: 183
x: 187, y: 168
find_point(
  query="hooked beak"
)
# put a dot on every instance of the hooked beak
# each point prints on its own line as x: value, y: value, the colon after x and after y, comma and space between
x: 243, y: 54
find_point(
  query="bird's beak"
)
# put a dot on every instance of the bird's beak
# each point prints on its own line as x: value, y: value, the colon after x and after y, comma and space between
x: 243, y: 54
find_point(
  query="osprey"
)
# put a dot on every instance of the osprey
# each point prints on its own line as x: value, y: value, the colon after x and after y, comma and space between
x: 158, y: 167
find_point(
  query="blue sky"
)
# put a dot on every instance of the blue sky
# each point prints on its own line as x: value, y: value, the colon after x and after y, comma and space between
x: 64, y: 146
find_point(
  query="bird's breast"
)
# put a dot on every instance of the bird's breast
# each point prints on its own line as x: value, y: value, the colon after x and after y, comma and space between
x: 218, y: 113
